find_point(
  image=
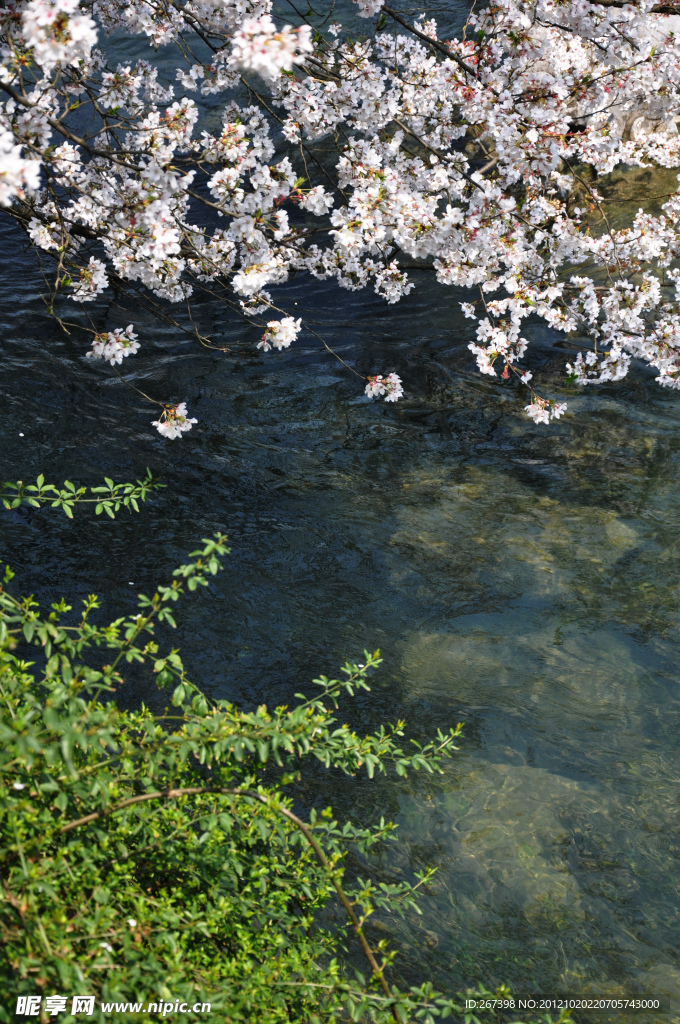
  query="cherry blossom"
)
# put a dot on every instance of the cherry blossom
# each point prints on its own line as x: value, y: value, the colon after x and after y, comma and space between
x: 358, y: 157
x: 93, y: 280
x: 57, y: 32
x: 173, y: 421
x: 259, y: 46
x: 18, y: 175
x: 114, y: 346
x: 388, y: 387
x: 280, y: 333
x: 542, y: 411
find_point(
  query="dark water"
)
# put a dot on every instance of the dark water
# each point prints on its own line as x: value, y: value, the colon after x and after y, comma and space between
x: 521, y: 579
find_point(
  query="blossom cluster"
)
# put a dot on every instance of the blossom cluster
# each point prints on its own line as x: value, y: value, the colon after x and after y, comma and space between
x: 388, y: 387
x: 259, y: 46
x: 114, y: 346
x: 280, y: 333
x: 457, y: 154
x: 174, y: 421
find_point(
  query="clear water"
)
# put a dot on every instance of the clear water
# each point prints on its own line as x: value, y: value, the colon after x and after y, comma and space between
x: 521, y: 579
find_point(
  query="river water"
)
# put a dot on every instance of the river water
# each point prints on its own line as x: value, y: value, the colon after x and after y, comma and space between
x: 517, y: 578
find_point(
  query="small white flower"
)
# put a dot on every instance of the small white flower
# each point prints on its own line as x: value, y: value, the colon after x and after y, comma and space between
x: 19, y: 785
x: 131, y: 921
x: 105, y: 945
x: 468, y: 310
x: 18, y: 176
x: 526, y: 377
x: 542, y: 411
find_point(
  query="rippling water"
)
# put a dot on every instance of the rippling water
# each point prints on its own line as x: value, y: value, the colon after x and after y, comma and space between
x: 521, y: 579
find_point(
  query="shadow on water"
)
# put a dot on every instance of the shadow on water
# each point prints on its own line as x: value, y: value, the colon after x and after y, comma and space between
x: 522, y: 579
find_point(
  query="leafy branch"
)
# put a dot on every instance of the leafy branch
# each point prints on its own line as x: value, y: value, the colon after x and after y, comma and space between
x: 108, y: 498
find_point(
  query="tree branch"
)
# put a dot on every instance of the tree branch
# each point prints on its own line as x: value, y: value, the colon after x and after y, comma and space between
x: 433, y: 42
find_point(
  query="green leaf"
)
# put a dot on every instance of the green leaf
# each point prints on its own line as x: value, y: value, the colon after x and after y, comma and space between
x: 179, y: 695
x: 262, y: 751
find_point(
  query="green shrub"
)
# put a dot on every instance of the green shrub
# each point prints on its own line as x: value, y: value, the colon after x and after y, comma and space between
x: 156, y: 858
x: 145, y: 857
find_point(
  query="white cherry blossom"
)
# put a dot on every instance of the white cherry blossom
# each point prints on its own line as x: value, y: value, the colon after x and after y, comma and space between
x: 388, y: 387
x: 18, y: 176
x: 280, y: 333
x: 259, y: 46
x: 358, y: 158
x: 114, y: 346
x: 57, y: 32
x: 173, y: 421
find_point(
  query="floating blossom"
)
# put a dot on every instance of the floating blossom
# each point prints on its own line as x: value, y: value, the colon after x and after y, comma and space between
x: 388, y: 387
x: 58, y: 32
x: 259, y: 46
x: 114, y: 346
x: 173, y: 421
x: 280, y: 333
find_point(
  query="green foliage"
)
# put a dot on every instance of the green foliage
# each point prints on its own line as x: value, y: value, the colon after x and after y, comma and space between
x: 149, y: 857
x: 107, y: 498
